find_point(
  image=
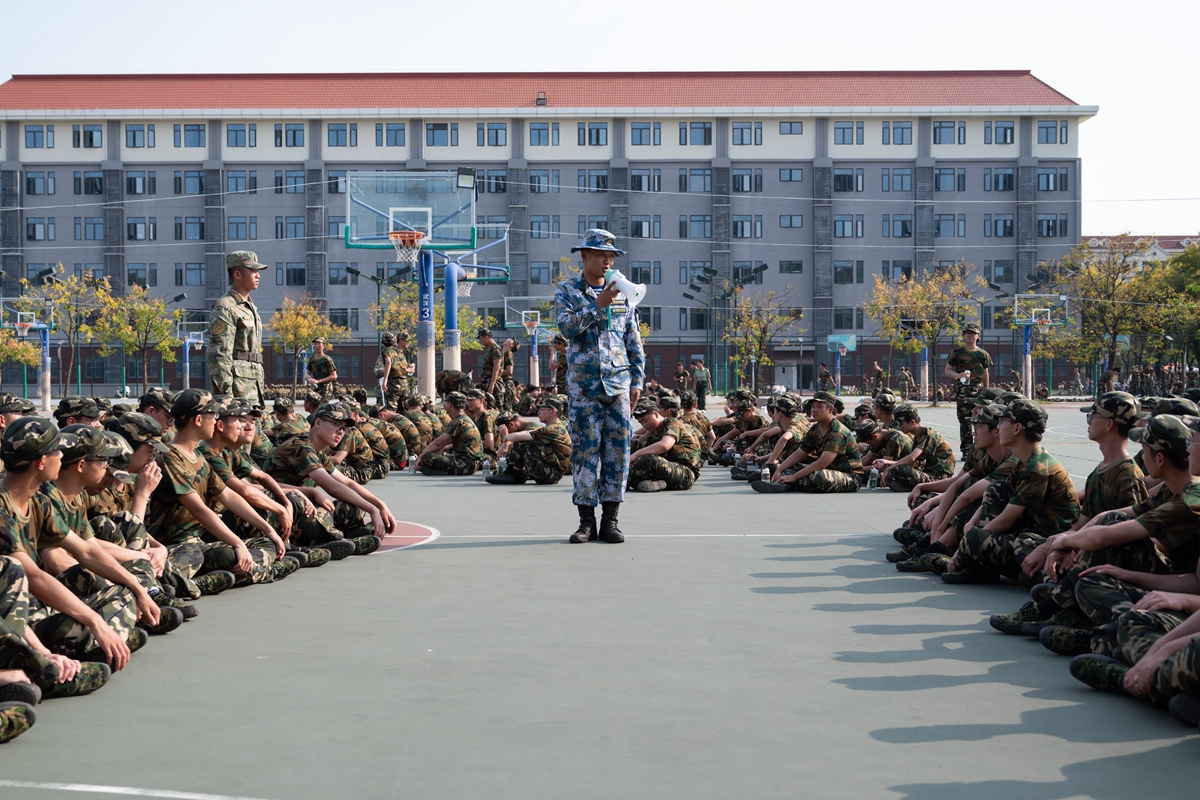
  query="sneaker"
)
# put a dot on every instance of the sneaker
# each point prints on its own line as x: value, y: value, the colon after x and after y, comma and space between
x: 967, y: 577
x: 652, y: 486
x: 906, y: 535
x: 507, y: 478
x: 914, y: 564
x: 1012, y: 623
x: 1042, y: 592
x: 283, y: 567
x: 168, y: 620
x: 300, y: 556
x: 316, y: 556
x: 769, y: 487
x: 903, y: 554
x: 138, y: 638
x: 15, y: 719
x: 1066, y: 617
x: 91, y: 676
x: 365, y: 545
x: 21, y: 692
x: 739, y: 474
x: 1186, y: 709
x: 339, y: 549
x: 936, y: 563
x: 1099, y: 672
x: 215, y: 582
x: 164, y: 600
x: 1066, y: 641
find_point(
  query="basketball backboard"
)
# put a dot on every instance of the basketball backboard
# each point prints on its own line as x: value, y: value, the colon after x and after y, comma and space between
x: 378, y: 202
x: 1035, y: 309
x: 519, y: 310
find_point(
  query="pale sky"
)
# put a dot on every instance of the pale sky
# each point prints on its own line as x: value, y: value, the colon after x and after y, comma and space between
x: 1133, y: 60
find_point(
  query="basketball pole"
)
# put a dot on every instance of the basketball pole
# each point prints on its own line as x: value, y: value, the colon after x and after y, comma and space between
x: 1027, y: 365
x: 451, y: 336
x: 426, y: 341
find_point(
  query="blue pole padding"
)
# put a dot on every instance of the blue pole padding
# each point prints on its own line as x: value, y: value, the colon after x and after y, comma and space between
x: 424, y: 287
x: 1028, y: 340
x: 450, y: 283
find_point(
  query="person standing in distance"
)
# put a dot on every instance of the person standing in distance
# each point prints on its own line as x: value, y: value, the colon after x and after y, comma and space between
x: 968, y: 365
x: 605, y: 368
x: 322, y: 372
x: 235, y: 333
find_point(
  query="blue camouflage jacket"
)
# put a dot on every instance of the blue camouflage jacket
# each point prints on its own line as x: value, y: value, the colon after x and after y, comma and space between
x: 604, y: 351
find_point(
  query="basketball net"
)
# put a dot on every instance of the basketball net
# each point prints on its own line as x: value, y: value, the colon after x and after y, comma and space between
x: 1043, y: 326
x: 531, y: 326
x: 407, y: 244
x: 22, y: 329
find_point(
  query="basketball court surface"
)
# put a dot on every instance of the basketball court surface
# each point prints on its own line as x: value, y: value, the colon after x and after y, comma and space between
x: 736, y: 646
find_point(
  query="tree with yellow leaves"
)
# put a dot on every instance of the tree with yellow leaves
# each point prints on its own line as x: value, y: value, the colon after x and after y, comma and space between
x: 138, y: 323
x: 16, y: 351
x: 755, y: 322
x: 927, y: 309
x: 398, y: 312
x: 71, y: 301
x: 296, y: 324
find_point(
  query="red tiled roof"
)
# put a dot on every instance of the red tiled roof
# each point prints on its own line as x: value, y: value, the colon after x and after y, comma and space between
x: 513, y: 90
x: 1168, y: 243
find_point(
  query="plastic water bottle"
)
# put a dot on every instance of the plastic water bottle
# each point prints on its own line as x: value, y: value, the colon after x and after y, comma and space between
x: 503, y: 465
x: 873, y: 480
x: 487, y: 470
x: 412, y: 466
x: 766, y: 473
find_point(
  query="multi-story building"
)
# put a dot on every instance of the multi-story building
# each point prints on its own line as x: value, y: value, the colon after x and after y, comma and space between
x: 827, y: 179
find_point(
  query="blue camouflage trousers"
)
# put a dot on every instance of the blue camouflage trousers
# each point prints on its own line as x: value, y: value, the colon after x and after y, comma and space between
x: 600, y: 433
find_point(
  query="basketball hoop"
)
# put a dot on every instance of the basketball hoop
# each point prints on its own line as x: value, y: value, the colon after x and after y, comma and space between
x: 407, y: 244
x: 463, y: 288
x: 22, y: 329
x: 1043, y: 326
x: 531, y: 326
x: 842, y: 349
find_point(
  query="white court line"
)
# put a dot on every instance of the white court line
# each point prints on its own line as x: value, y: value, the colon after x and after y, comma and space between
x: 434, y: 533
x: 125, y: 790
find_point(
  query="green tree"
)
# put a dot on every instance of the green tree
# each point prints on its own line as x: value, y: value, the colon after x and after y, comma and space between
x: 756, y: 321
x: 138, y: 323
x: 397, y: 311
x: 16, y: 351
x: 72, y: 302
x: 296, y: 324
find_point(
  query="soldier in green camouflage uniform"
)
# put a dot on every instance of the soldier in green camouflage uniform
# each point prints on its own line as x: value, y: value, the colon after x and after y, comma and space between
x: 492, y: 364
x: 882, y: 443
x: 395, y: 371
x: 542, y: 454
x: 156, y: 404
x: 930, y: 459
x: 507, y: 396
x: 381, y: 454
x: 322, y: 372
x: 235, y: 333
x: 354, y: 456
x: 559, y: 363
x: 76, y: 409
x: 670, y: 454
x: 448, y: 381
x: 485, y: 420
x: 968, y: 365
x: 830, y: 450
x: 459, y: 449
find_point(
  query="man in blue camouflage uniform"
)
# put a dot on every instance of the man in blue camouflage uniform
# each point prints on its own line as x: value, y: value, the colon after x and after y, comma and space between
x: 605, y: 367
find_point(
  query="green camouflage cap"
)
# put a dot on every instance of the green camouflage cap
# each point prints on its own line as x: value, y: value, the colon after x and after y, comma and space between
x: 104, y: 403
x: 243, y: 259
x: 1179, y: 406
x: 862, y: 409
x: 1165, y: 433
x: 866, y: 429
x: 457, y: 399
x: 11, y: 404
x: 475, y: 394
x: 1028, y: 413
x: 226, y: 405
x: 74, y: 405
x: 84, y: 441
x: 989, y: 414
x: 313, y: 397
x: 838, y: 405
x: 743, y: 394
x: 647, y: 405
x: 1009, y: 397
x: 986, y: 396
x: 483, y: 332
x: 28, y: 439
x: 1119, y: 406
x: 886, y: 400
x: 906, y: 412
x: 825, y: 397
x: 118, y: 464
x: 351, y: 406
x: 137, y: 429
x: 284, y: 404
x: 971, y: 327
x: 787, y: 405
x: 402, y: 336
x: 505, y: 417
x: 157, y: 397
x: 320, y: 339
x: 120, y: 408
x: 668, y: 401
x: 388, y: 339
x: 555, y: 402
x: 191, y: 402
x: 332, y: 411
x: 1192, y: 394
x: 687, y: 398
x: 746, y: 405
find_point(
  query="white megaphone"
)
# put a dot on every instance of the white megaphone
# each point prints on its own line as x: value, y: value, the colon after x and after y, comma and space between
x: 634, y: 292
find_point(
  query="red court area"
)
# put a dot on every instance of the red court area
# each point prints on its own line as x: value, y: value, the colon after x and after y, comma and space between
x: 407, y: 534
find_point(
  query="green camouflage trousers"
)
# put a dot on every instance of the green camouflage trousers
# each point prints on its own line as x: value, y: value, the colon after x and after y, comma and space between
x: 826, y: 481
x: 526, y: 459
x: 449, y: 463
x: 15, y: 652
x: 197, y: 557
x: 965, y: 409
x: 506, y: 394
x: 397, y: 393
x: 62, y: 634
x: 656, y: 468
x: 982, y: 552
x: 904, y: 477
x: 360, y: 474
x: 1104, y: 598
x: 1137, y: 631
x: 1139, y: 556
x: 125, y: 530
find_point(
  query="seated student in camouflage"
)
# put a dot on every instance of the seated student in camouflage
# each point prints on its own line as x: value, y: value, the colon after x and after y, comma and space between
x: 1166, y: 521
x: 312, y: 401
x: 670, y: 455
x: 883, y: 406
x: 1017, y: 514
x: 747, y: 424
x: 156, y: 404
x: 541, y: 454
x: 403, y: 436
x: 94, y: 628
x: 930, y: 459
x: 302, y: 463
x: 257, y: 514
x: 12, y: 408
x: 289, y: 423
x: 885, y: 445
x: 381, y: 456
x: 451, y: 380
x: 485, y: 420
x: 353, y: 454
x: 1116, y: 483
x: 827, y: 455
x: 77, y: 410
x: 181, y: 515
x: 530, y: 402
x: 689, y: 414
x: 788, y: 431
x: 419, y: 420
x: 459, y: 449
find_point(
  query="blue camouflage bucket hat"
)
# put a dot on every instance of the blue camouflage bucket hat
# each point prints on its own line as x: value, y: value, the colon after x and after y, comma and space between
x: 598, y: 239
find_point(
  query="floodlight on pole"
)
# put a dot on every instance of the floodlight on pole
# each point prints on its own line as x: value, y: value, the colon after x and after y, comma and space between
x: 689, y: 297
x: 177, y: 298
x: 466, y: 178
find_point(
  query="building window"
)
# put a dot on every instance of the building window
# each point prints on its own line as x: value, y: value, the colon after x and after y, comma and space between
x: 902, y: 226
x: 742, y: 180
x: 39, y: 229
x: 843, y: 226
x: 90, y: 136
x: 539, y: 227
x: 943, y: 225
x: 901, y: 180
x: 335, y: 226
x: 135, y: 135
x: 843, y: 272
x: 189, y: 274
x: 294, y: 228
x: 843, y: 317
x: 295, y: 274
x: 496, y: 181
x: 700, y: 227
x: 791, y: 175
x: 1002, y: 272
x: 901, y: 133
x: 193, y: 135
x: 701, y: 133
x: 539, y: 181
x: 943, y: 180
x: 539, y: 134
x: 338, y: 275
x: 1047, y: 132
x: 597, y: 180
x: 1005, y: 132
x: 943, y: 132
x: 898, y: 271
x: 743, y: 227
x: 143, y: 275
x: 539, y: 273
x: 639, y: 227
x: 843, y: 180
x: 138, y: 229
x: 597, y: 134
x: 700, y: 180
x: 35, y: 183
x: 35, y: 136
x: 294, y: 181
x: 1003, y: 225
x: 1002, y: 179
x: 336, y: 181
x: 791, y: 267
x: 639, y: 180
x: 743, y: 133
x: 235, y: 135
x: 791, y: 221
x: 237, y: 228
x: 791, y: 129
x: 1046, y: 178
x: 843, y: 133
x: 639, y: 134
x: 235, y: 181
x: 441, y: 134
x: 1047, y: 225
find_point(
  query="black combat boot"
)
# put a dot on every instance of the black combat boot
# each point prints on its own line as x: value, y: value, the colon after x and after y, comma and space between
x: 609, y: 532
x: 587, y: 526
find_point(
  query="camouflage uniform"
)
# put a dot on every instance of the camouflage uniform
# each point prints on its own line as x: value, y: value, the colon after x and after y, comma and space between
x: 415, y: 427
x: 679, y: 466
x: 322, y: 367
x: 466, y: 451
x: 548, y: 457
x: 397, y: 379
x: 260, y: 447
x: 451, y: 380
x: 505, y: 387
x: 359, y: 463
x: 936, y: 460
x: 825, y: 379
x: 397, y: 447
x: 895, y: 446
x: 962, y: 360
x: 842, y: 474
x: 604, y: 362
x: 235, y: 340
x: 560, y: 371
x: 381, y: 453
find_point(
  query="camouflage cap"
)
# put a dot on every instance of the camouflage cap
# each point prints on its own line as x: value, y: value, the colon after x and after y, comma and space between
x: 555, y: 402
x: 986, y: 396
x: 157, y: 397
x: 332, y: 411
x: 475, y: 394
x: 906, y: 412
x: 414, y: 401
x: 687, y: 398
x: 647, y: 405
x: 787, y: 405
x: 1192, y: 394
x: 866, y: 429
x: 284, y: 404
x: 74, y: 405
x: 825, y: 397
x: 388, y: 339
x: 84, y: 441
x: 838, y: 405
x: 1179, y: 406
x: 191, y: 402
x: 746, y: 405
x: 104, y: 403
x: 862, y: 409
x: 483, y: 332
x: 243, y: 259
x: 989, y: 414
x: 668, y: 401
x: 226, y: 405
x: 28, y: 439
x: 505, y: 417
x: 313, y: 397
x: 320, y: 339
x: 137, y: 429
x: 118, y: 463
x: 1165, y: 433
x: 1028, y: 413
x: 120, y: 408
x: 743, y: 394
x: 1009, y: 397
x: 456, y: 399
x: 11, y: 404
x: 885, y: 400
x: 402, y: 336
x: 971, y: 327
x: 1119, y: 406
x: 351, y: 406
